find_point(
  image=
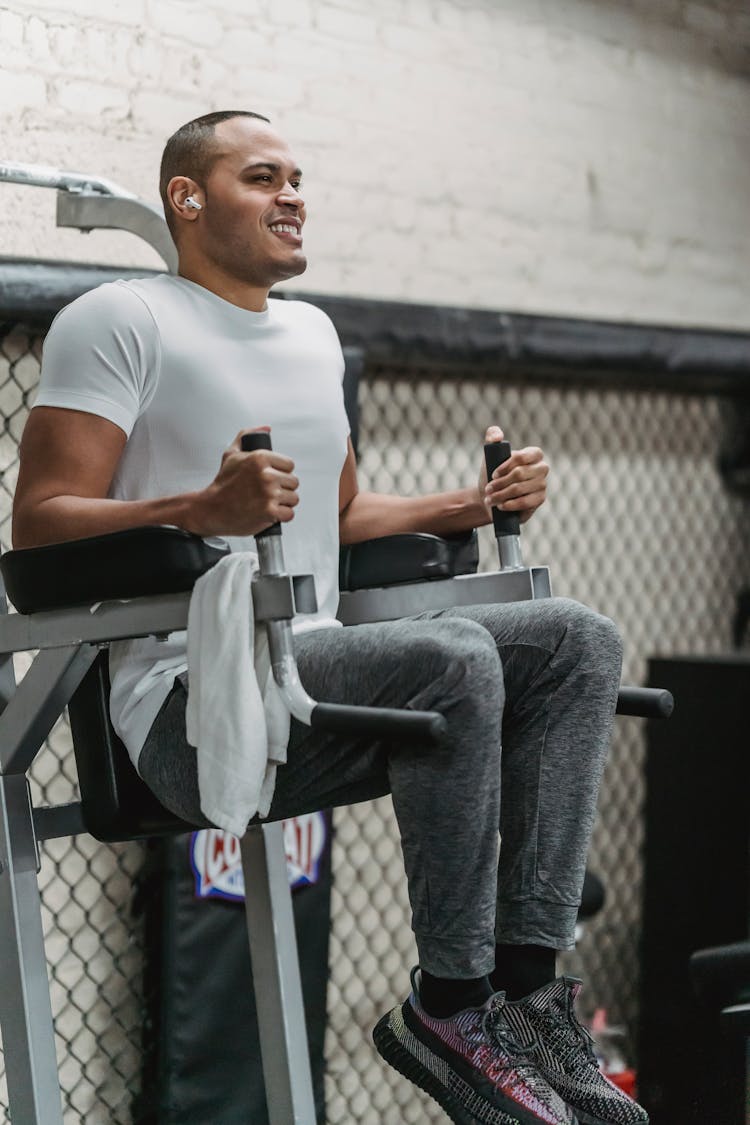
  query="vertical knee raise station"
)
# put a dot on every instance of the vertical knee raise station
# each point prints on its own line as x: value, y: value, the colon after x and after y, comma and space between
x: 75, y: 598
x: 70, y: 598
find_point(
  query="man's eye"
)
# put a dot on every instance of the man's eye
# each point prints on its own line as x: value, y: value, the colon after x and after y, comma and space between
x: 264, y: 178
x: 296, y: 184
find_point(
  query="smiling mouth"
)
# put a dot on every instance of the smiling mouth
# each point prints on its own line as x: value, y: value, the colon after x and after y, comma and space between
x: 286, y: 231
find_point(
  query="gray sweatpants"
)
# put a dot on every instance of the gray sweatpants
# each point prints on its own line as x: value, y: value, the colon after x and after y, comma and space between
x: 528, y: 690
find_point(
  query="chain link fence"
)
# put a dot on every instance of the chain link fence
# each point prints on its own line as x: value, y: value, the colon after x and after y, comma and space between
x: 92, y: 937
x: 638, y: 525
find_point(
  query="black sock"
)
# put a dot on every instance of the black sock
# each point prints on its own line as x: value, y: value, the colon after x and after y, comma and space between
x: 442, y: 997
x: 521, y: 969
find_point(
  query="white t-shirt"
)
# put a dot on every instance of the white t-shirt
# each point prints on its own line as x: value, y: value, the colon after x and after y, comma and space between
x: 181, y: 371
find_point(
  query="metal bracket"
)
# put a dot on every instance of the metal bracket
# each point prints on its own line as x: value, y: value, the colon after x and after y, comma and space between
x: 278, y: 597
x: 105, y: 622
x: 275, y: 598
x: 94, y: 212
x: 390, y: 602
x: 90, y: 202
x: 305, y: 598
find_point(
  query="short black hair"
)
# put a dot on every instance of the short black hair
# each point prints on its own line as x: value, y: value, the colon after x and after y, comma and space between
x: 191, y: 151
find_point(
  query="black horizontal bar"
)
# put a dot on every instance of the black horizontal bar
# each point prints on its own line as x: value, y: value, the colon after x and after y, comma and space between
x: 50, y: 823
x: 36, y: 290
x: 379, y: 722
x: 646, y: 703
x: 566, y: 351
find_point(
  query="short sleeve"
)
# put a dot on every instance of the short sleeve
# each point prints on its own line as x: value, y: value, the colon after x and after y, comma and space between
x: 102, y: 356
x: 329, y: 329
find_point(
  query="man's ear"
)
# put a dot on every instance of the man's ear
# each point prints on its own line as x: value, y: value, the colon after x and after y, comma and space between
x: 183, y: 194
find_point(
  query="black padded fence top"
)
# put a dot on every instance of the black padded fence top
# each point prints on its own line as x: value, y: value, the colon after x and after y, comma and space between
x: 568, y: 351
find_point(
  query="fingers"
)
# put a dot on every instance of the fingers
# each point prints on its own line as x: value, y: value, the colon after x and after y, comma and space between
x: 285, y: 498
x: 520, y: 483
x: 264, y: 456
x: 253, y: 490
x: 277, y: 482
x: 237, y: 443
x: 493, y: 433
x: 279, y: 490
x: 531, y: 502
x: 521, y: 463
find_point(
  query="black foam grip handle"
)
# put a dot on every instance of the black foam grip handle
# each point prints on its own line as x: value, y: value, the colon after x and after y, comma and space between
x: 380, y: 722
x: 646, y: 703
x: 260, y: 439
x: 495, y: 453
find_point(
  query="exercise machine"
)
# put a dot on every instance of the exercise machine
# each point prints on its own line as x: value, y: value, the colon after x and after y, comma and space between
x: 73, y: 599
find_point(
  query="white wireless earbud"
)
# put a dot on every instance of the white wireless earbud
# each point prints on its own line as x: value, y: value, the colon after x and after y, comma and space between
x: 193, y: 204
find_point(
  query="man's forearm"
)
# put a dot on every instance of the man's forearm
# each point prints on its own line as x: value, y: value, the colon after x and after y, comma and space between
x: 371, y: 515
x: 61, y: 518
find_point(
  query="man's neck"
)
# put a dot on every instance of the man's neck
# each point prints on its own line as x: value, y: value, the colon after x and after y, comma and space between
x: 245, y: 296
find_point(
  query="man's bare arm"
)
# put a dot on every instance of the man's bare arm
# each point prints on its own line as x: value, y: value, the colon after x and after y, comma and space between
x: 370, y: 515
x: 68, y: 460
x: 519, y: 485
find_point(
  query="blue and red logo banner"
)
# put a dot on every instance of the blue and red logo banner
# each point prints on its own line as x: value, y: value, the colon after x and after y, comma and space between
x: 217, y: 866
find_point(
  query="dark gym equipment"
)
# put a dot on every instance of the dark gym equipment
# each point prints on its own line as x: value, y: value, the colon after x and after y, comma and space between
x: 721, y: 978
x: 201, y: 1059
x: 696, y: 893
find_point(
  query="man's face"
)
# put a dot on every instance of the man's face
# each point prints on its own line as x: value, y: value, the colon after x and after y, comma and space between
x: 253, y: 212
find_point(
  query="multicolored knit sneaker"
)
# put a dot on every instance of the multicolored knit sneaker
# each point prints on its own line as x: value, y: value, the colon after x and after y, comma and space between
x: 470, y: 1064
x: 546, y: 1025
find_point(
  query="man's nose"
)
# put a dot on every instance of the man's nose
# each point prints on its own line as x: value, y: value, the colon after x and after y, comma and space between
x: 290, y: 196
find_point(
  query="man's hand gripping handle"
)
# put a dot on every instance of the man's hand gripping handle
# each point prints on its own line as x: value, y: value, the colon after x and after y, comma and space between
x: 375, y: 722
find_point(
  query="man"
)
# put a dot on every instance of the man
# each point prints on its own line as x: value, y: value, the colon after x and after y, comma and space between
x: 143, y: 385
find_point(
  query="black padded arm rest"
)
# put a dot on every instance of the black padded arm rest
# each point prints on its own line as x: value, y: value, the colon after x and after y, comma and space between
x: 124, y: 564
x: 407, y: 558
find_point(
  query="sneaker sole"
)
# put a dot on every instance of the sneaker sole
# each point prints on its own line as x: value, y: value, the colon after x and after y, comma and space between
x: 421, y: 1071
x: 587, y: 1119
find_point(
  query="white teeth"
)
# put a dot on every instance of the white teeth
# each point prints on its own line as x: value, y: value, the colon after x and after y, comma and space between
x: 284, y: 227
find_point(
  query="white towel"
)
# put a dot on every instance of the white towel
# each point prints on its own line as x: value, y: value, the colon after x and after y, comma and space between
x: 236, y: 716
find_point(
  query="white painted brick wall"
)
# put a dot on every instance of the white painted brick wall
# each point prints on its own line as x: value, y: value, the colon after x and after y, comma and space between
x: 586, y: 158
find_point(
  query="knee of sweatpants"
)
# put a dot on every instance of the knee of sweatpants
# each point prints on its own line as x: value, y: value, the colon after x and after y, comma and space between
x: 591, y: 633
x: 463, y: 655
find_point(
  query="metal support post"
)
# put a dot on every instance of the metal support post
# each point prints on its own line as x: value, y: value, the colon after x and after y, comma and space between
x: 276, y: 977
x: 25, y: 1008
x: 38, y: 702
x: 7, y: 671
